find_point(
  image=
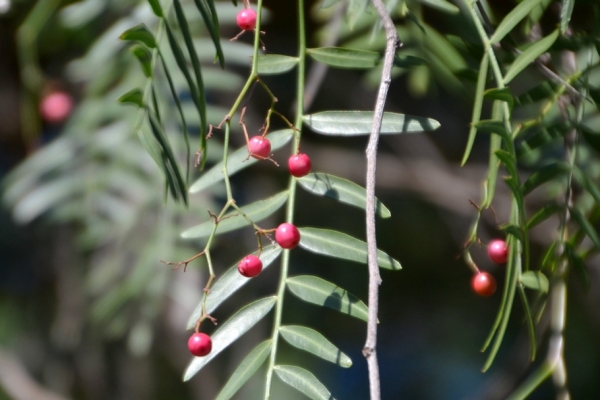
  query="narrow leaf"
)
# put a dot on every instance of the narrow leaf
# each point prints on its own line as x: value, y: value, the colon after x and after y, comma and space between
x: 339, y: 245
x: 528, y: 320
x: 566, y: 10
x: 230, y: 331
x: 246, y: 369
x: 256, y: 211
x: 529, y: 55
x: 345, y: 58
x: 543, y: 214
x: 441, y: 5
x: 309, y: 340
x: 535, y: 280
x: 275, y: 63
x: 477, y: 105
x: 141, y: 33
x: 341, y: 190
x: 586, y: 226
x: 493, y: 126
x: 512, y: 19
x: 503, y: 94
x: 144, y: 56
x: 578, y: 263
x: 134, y: 96
x: 303, y: 381
x: 156, y: 8
x: 209, y: 15
x: 407, y: 61
x: 356, y: 8
x: 352, y: 123
x: 317, y: 291
x: 545, y: 174
x: 238, y: 160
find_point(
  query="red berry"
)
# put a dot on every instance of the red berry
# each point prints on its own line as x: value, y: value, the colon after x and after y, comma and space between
x: 287, y: 235
x: 299, y: 165
x: 483, y: 284
x: 56, y: 107
x: 246, y: 19
x: 200, y: 344
x: 250, y: 266
x: 498, y: 251
x: 259, y: 147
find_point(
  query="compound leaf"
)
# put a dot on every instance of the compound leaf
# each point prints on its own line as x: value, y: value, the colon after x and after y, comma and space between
x: 345, y: 58
x: 303, y: 381
x: 275, y: 63
x: 309, y: 340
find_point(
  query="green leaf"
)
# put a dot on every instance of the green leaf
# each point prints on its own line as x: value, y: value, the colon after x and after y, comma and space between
x: 238, y: 160
x: 512, y: 19
x: 256, y: 211
x: 514, y: 230
x: 441, y: 5
x: 317, y: 291
x: 353, y: 123
x: 566, y: 10
x: 275, y: 63
x: 545, y: 174
x: 345, y: 58
x: 543, y: 214
x: 493, y: 126
x: 230, y: 331
x: 144, y: 56
x: 156, y: 8
x: 134, y: 96
x: 586, y: 226
x: 407, y: 61
x: 303, y: 381
x: 502, y: 94
x: 477, y: 105
x: 355, y: 10
x: 529, y: 55
x: 341, y: 190
x: 229, y: 283
x: 141, y: 33
x: 328, y: 3
x: 211, y: 20
x: 578, y: 263
x: 339, y: 245
x: 535, y: 280
x: 246, y: 369
x: 309, y: 340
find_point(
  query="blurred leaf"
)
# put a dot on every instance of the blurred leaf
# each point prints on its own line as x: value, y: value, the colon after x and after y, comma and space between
x: 513, y: 230
x: 231, y: 330
x: 345, y: 58
x: 566, y: 10
x: 328, y: 3
x: 238, y: 160
x: 587, y: 183
x: 246, y: 369
x: 535, y: 280
x: 503, y: 94
x: 593, y: 138
x: 493, y: 126
x: 309, y: 340
x: 211, y: 21
x: 355, y: 10
x: 352, y: 123
x: 275, y: 64
x: 407, y: 61
x: 134, y: 96
x: 141, y: 33
x: 339, y: 245
x: 529, y: 55
x: 512, y: 19
x: 544, y: 90
x: 318, y: 291
x: 256, y: 211
x: 229, y: 283
x: 529, y: 318
x: 586, y: 226
x: 578, y: 263
x: 341, y: 190
x: 545, y: 174
x: 543, y: 214
x: 303, y: 381
x: 441, y: 5
x: 477, y: 106
x: 144, y: 56
x: 156, y: 8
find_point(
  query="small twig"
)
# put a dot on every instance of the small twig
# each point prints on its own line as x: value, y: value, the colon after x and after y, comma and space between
x: 369, y: 350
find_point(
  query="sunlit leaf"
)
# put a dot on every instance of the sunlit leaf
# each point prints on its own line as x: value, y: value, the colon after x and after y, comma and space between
x: 275, y: 63
x: 566, y: 10
x: 545, y: 174
x: 529, y: 55
x: 535, y: 280
x: 317, y: 291
x: 352, y: 123
x: 441, y: 5
x: 345, y: 58
x: 141, y: 33
x: 309, y: 340
x: 512, y: 19
x: 238, y: 160
x: 303, y: 381
x: 134, y: 96
x: 211, y: 21
x: 256, y: 211
x: 339, y: 245
x: 246, y: 369
x: 228, y: 283
x: 341, y: 190
x: 230, y: 331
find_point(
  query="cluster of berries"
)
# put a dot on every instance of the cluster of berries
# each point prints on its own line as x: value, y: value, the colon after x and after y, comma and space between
x: 483, y: 283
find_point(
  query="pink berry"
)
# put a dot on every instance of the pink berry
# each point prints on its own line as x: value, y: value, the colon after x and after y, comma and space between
x: 56, y: 107
x: 287, y: 235
x: 246, y: 19
x: 483, y: 284
x: 498, y: 251
x: 250, y: 266
x: 299, y: 165
x: 200, y: 344
x: 259, y: 147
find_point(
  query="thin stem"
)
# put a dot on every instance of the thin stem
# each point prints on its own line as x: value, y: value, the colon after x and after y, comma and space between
x: 369, y: 349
